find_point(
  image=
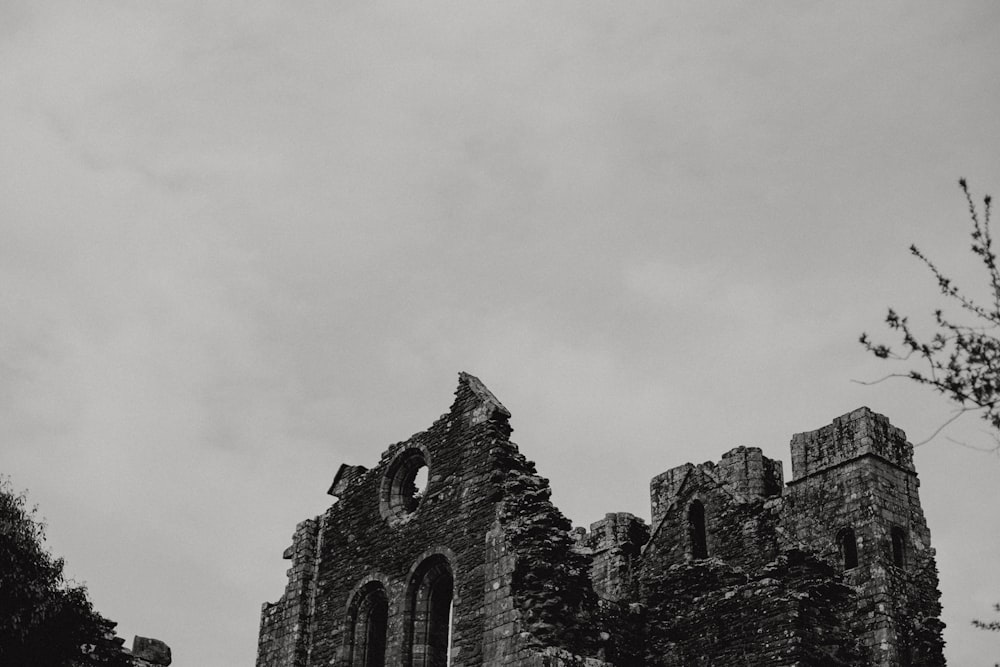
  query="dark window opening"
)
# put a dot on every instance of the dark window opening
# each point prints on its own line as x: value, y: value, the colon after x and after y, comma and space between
x: 369, y: 616
x: 430, y: 619
x: 696, y: 528
x: 848, y: 548
x: 898, y: 547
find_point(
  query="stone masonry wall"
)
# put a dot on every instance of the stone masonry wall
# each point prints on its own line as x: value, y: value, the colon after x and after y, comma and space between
x: 519, y: 584
x: 361, y: 543
x: 284, y: 624
x: 741, y: 509
x: 790, y: 612
x: 551, y: 584
x: 849, y: 436
x: 746, y: 603
x: 736, y: 568
x: 614, y: 545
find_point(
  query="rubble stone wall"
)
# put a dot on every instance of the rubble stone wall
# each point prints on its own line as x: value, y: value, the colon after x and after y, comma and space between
x: 283, y: 624
x: 148, y: 652
x: 790, y: 612
x: 615, y: 547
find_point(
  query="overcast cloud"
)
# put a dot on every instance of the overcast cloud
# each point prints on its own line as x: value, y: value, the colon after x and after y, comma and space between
x: 245, y: 242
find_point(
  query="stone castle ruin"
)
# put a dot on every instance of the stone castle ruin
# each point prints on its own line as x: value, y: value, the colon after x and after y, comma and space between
x: 478, y: 567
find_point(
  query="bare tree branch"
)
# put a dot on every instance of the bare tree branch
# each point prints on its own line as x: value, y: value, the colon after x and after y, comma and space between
x: 960, y: 360
x: 945, y: 425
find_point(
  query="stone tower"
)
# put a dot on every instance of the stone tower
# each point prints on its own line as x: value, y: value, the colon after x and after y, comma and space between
x: 853, y: 500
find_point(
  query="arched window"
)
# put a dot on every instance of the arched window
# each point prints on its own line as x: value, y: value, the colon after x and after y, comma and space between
x: 848, y: 547
x: 429, y: 602
x: 368, y: 616
x: 898, y: 547
x: 696, y: 529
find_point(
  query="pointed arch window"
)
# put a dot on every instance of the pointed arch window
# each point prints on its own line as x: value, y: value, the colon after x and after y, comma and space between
x: 696, y: 529
x: 848, y: 543
x: 429, y: 601
x: 368, y: 616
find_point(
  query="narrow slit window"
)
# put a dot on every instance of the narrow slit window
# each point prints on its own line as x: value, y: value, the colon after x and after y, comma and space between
x: 696, y: 528
x: 898, y: 547
x: 849, y: 548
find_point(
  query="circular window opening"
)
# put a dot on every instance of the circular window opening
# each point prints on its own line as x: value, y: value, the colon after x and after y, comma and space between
x: 405, y: 485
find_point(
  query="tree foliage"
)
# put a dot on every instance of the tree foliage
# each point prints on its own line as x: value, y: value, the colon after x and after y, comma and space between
x: 45, y: 620
x: 992, y: 626
x: 961, y: 360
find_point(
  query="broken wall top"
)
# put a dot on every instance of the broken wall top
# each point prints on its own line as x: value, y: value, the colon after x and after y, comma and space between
x: 744, y: 470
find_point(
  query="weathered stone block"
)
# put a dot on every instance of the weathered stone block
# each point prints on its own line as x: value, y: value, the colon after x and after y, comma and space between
x: 152, y: 651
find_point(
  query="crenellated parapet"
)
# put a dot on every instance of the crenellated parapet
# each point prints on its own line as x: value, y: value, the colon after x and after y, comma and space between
x: 848, y: 437
x: 854, y: 501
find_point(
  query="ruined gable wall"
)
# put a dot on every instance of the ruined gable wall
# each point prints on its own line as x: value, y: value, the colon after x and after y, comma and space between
x: 363, y: 540
x: 375, y: 535
x: 522, y: 594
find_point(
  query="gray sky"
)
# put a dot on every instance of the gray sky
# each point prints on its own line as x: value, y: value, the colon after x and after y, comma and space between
x: 246, y: 242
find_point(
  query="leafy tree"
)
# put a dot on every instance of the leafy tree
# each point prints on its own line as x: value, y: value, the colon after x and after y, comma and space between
x: 961, y: 360
x: 45, y: 620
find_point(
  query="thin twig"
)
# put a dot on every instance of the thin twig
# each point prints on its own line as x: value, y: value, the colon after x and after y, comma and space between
x: 945, y: 425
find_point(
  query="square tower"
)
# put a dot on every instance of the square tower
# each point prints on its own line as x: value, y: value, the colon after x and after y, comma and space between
x: 853, y: 500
